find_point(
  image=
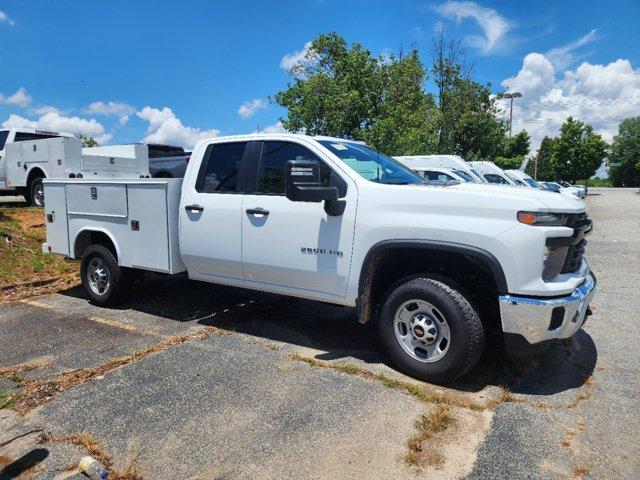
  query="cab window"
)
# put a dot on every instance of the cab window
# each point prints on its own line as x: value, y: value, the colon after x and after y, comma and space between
x: 3, y: 138
x: 273, y: 160
x: 439, y: 176
x: 26, y: 136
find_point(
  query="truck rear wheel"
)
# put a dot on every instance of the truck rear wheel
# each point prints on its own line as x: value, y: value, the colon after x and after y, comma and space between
x: 35, y: 193
x: 105, y: 282
x: 430, y: 330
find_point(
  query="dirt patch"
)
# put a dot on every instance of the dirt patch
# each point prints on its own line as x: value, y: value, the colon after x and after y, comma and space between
x: 24, y: 269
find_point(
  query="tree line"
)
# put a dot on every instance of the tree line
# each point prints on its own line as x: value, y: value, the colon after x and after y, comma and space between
x: 399, y: 106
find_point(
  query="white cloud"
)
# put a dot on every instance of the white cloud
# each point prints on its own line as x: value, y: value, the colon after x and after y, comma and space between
x: 4, y: 18
x: 566, y: 55
x: 44, y: 109
x: 494, y: 26
x: 112, y: 109
x: 16, y: 121
x: 20, y: 98
x: 60, y: 123
x: 166, y: 128
x: 600, y: 95
x: 249, y: 108
x: 291, y: 60
x: 275, y: 128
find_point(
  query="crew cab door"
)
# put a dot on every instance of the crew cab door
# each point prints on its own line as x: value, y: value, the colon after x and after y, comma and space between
x: 295, y: 245
x: 210, y: 220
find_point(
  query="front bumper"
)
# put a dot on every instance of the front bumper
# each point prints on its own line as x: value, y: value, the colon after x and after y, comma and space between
x: 541, y: 319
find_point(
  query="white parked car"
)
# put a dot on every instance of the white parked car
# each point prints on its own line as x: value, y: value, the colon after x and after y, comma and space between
x: 522, y: 178
x: 333, y: 220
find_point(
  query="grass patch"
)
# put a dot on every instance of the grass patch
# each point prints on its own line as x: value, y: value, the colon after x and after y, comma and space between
x: 7, y: 400
x: 428, y: 425
x: 22, y: 262
x: 15, y: 377
x: 421, y: 392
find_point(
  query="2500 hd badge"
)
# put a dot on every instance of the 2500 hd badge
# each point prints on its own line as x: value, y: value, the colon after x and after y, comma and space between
x: 320, y: 251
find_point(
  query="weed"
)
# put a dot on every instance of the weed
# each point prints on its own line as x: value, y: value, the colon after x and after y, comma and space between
x: 15, y: 377
x: 7, y: 400
x: 428, y: 425
x: 580, y: 472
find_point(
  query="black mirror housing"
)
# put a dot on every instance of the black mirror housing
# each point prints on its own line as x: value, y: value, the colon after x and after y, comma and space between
x: 302, y: 182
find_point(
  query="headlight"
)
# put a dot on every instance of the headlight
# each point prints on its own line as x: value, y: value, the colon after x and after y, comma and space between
x: 553, y: 261
x: 543, y: 218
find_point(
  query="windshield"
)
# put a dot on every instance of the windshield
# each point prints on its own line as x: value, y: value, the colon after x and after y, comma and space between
x: 371, y: 165
x: 478, y: 176
x: 3, y: 138
x: 465, y: 176
x: 531, y: 182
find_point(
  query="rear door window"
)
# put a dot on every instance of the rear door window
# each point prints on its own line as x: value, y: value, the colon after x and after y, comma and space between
x: 220, y: 166
x: 3, y: 138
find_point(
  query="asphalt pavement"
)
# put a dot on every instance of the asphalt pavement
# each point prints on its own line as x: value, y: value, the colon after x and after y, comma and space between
x: 197, y: 381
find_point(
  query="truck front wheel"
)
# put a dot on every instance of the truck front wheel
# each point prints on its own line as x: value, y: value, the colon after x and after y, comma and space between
x: 105, y: 282
x: 35, y: 193
x: 430, y: 330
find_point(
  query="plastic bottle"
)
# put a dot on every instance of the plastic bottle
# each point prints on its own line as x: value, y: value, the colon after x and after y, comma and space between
x: 92, y: 468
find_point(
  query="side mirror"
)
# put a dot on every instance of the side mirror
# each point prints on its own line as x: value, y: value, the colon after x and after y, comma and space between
x: 302, y: 182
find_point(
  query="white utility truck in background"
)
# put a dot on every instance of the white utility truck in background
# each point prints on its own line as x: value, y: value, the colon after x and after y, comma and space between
x: 327, y: 219
x: 30, y: 157
x: 31, y: 188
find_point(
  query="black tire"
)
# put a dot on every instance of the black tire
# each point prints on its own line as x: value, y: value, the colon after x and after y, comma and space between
x: 119, y: 279
x: 35, y: 193
x: 466, y: 339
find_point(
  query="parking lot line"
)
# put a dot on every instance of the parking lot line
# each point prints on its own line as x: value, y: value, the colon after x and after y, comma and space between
x: 127, y: 326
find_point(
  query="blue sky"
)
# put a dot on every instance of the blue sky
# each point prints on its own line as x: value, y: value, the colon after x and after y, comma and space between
x: 176, y: 71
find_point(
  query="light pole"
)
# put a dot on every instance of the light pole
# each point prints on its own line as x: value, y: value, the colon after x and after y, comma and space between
x: 511, y: 96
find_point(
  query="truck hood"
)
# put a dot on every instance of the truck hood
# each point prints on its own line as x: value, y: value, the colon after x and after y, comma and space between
x: 555, y: 202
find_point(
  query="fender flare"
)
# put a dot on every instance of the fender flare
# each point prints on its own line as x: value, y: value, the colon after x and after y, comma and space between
x: 370, y: 261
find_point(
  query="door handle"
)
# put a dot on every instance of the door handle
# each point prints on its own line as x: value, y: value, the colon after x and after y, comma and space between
x: 257, y: 211
x: 194, y: 208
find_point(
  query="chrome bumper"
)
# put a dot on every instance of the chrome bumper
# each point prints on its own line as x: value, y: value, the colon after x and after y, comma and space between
x: 532, y: 317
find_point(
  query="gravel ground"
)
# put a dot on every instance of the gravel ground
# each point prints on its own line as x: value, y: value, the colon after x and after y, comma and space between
x: 235, y: 403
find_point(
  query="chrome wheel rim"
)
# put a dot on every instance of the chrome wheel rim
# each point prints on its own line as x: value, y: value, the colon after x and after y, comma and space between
x: 422, y: 331
x: 38, y: 195
x: 98, y: 276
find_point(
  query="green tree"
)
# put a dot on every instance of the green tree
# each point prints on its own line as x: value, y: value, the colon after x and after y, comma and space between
x: 336, y: 89
x: 577, y: 152
x: 509, y: 163
x: 88, y: 141
x: 540, y: 166
x: 518, y: 145
x: 625, y: 151
x: 405, y: 122
x: 469, y: 124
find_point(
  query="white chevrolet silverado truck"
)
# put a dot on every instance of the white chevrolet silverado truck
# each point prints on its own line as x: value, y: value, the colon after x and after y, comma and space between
x: 327, y: 219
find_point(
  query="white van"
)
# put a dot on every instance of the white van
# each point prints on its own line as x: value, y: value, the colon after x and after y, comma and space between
x: 451, y: 164
x: 522, y: 178
x: 493, y: 173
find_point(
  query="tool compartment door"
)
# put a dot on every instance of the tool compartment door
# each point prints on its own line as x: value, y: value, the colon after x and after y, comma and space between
x: 148, y: 227
x: 55, y: 214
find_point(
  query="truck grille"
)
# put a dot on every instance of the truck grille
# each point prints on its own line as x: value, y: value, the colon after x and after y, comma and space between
x: 582, y: 226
